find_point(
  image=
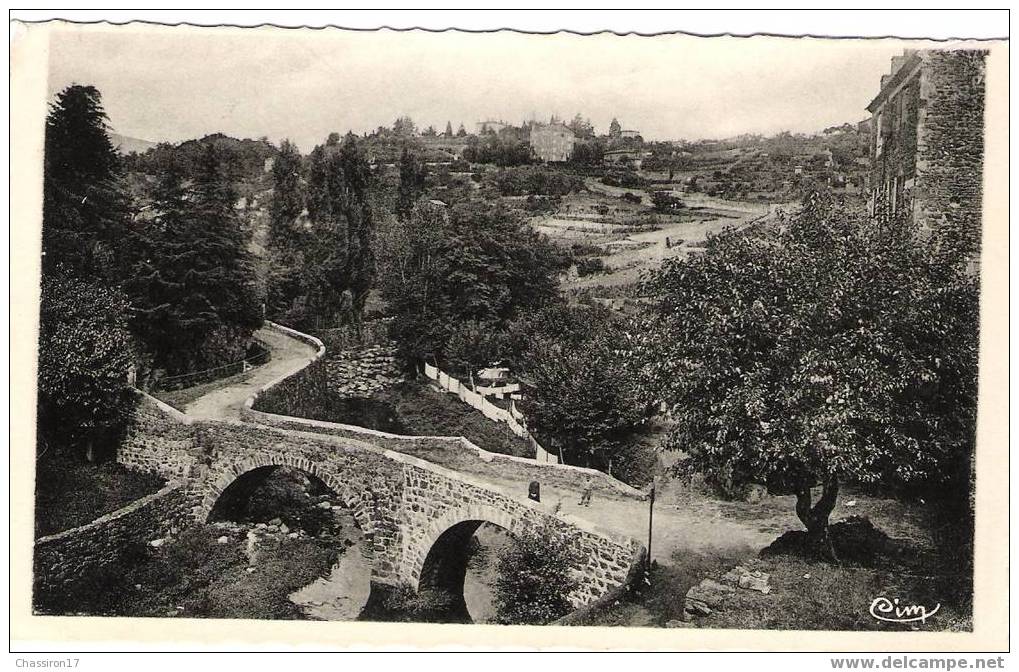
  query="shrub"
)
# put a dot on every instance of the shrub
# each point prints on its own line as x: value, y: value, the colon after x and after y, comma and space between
x: 666, y: 203
x: 590, y: 266
x: 625, y: 179
x: 536, y: 180
x: 536, y: 575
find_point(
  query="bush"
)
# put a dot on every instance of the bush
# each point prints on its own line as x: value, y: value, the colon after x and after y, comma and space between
x: 625, y: 179
x: 590, y: 266
x: 534, y: 180
x: 666, y: 203
x: 195, y: 576
x: 536, y: 575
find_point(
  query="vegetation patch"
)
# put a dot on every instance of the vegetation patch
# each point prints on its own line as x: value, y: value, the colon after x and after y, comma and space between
x: 70, y: 493
x: 196, y: 576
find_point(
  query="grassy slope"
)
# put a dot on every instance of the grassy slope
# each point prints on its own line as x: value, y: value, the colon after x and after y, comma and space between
x: 425, y: 411
x: 71, y: 493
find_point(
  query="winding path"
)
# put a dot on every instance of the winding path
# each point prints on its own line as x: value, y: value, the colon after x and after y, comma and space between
x: 288, y: 356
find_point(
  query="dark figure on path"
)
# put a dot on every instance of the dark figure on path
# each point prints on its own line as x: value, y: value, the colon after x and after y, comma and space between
x: 585, y: 493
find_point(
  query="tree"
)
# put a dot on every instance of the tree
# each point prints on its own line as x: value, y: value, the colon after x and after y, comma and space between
x: 84, y: 210
x: 85, y: 349
x: 461, y: 132
x: 193, y: 292
x: 336, y: 264
x: 536, y: 577
x: 287, y: 195
x: 472, y: 261
x: 615, y: 130
x: 84, y: 355
x: 473, y: 344
x: 404, y: 127
x: 819, y: 353
x: 430, y: 132
x: 581, y: 396
x: 412, y: 182
x: 449, y: 130
x: 355, y: 202
x: 581, y: 127
x: 319, y: 209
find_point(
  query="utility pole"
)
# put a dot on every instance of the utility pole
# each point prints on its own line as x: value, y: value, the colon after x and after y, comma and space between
x: 650, y: 525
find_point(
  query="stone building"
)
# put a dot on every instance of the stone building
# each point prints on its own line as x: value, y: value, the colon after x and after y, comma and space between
x: 927, y: 146
x: 552, y: 142
x: 490, y: 126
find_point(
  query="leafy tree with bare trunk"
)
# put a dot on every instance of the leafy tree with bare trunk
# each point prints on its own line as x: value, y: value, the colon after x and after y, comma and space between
x: 814, y: 353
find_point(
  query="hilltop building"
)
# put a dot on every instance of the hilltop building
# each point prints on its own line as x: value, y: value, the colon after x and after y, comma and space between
x: 552, y: 142
x: 927, y: 146
x: 490, y: 126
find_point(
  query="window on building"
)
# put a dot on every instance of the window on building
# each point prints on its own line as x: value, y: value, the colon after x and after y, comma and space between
x: 878, y: 135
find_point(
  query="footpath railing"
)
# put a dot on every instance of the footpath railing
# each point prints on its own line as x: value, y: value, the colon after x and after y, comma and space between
x: 208, y: 375
x: 476, y: 399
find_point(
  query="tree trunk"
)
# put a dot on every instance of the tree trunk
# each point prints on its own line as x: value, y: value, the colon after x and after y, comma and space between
x: 90, y: 451
x: 815, y: 518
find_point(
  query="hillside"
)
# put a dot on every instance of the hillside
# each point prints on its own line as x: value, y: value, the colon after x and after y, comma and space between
x: 125, y: 144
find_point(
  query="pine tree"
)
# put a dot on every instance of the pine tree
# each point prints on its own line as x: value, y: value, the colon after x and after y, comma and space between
x: 287, y: 195
x: 193, y: 294
x: 615, y: 130
x: 412, y: 182
x: 449, y: 130
x: 84, y: 211
x: 461, y: 132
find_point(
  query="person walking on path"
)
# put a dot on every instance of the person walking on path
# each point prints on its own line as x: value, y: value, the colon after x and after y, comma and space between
x: 585, y: 493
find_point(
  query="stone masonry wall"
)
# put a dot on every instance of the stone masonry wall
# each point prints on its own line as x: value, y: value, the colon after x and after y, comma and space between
x: 367, y: 483
x: 433, y: 502
x: 950, y: 150
x: 402, y: 503
x: 63, y: 557
x: 159, y: 439
x: 362, y: 372
x: 457, y: 453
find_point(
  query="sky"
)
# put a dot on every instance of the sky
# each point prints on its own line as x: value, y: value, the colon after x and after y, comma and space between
x: 172, y: 84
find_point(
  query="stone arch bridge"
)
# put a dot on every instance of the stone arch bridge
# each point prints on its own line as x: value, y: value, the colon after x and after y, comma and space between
x: 417, y: 500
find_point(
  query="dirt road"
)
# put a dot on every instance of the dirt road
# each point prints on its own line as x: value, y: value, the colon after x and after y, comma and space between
x: 288, y: 355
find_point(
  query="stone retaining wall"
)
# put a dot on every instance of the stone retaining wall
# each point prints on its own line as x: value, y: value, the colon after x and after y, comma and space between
x: 158, y: 439
x: 362, y: 372
x: 63, y: 557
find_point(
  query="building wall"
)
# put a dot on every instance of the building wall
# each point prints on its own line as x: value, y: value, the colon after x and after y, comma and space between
x: 927, y: 148
x: 552, y: 143
x: 950, y: 151
x: 893, y: 146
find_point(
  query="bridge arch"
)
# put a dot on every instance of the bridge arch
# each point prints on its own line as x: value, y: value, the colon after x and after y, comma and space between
x: 442, y: 553
x: 221, y: 481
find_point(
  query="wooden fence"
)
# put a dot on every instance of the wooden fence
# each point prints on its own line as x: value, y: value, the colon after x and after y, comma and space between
x: 477, y: 399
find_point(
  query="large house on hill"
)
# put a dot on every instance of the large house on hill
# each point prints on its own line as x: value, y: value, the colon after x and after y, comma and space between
x: 552, y: 142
